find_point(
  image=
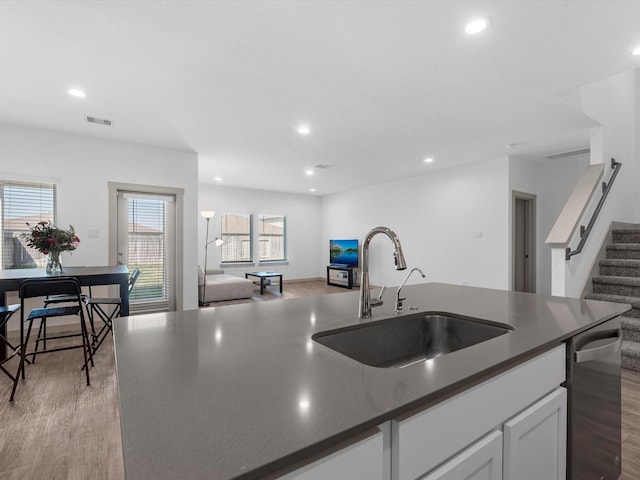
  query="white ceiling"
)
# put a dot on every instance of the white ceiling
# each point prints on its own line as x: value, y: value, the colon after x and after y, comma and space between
x: 383, y: 84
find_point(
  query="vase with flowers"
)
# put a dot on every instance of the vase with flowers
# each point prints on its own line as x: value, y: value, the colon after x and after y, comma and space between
x: 51, y: 240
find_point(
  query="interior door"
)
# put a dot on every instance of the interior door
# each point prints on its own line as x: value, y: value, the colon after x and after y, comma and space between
x: 146, y: 239
x: 524, y: 278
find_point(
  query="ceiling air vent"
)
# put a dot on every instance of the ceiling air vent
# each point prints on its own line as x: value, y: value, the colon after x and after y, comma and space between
x: 571, y: 153
x: 98, y: 121
x: 325, y: 166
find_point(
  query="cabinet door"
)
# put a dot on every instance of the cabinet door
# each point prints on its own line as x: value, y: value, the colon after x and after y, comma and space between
x: 363, y: 459
x: 535, y: 441
x: 481, y: 461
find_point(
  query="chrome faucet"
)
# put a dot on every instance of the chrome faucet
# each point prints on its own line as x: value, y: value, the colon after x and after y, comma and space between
x: 398, y: 307
x: 366, y: 304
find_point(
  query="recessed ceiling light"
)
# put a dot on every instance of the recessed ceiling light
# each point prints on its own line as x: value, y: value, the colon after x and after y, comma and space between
x: 428, y: 160
x: 312, y: 189
x: 218, y: 179
x: 636, y: 51
x: 309, y: 172
x: 476, y: 26
x: 74, y: 92
x: 303, y: 129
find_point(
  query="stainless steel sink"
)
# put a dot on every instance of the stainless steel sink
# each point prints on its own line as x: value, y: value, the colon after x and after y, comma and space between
x: 403, y: 341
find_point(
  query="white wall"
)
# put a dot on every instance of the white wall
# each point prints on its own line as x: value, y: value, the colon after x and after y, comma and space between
x: 303, y: 229
x: 636, y: 202
x: 613, y: 103
x: 552, y: 182
x: 435, y: 216
x: 556, y: 179
x: 82, y: 167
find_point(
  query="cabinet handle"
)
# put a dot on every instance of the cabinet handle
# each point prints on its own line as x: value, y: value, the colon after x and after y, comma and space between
x: 602, y: 351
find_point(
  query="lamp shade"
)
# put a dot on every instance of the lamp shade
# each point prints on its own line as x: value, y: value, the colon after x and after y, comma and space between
x: 207, y: 213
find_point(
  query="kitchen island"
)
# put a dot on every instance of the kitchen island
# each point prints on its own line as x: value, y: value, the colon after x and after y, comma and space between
x: 244, y: 392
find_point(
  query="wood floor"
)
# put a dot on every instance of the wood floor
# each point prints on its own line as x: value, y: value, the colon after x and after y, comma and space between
x: 630, y: 425
x: 59, y: 428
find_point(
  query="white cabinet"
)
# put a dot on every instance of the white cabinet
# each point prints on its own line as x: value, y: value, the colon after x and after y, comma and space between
x: 535, y: 440
x: 531, y: 446
x: 363, y: 459
x: 422, y: 441
x: 495, y: 430
x: 481, y: 461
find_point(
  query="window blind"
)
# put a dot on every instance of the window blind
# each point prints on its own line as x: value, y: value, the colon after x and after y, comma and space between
x: 237, y: 235
x: 22, y: 203
x: 272, y: 237
x: 150, y: 247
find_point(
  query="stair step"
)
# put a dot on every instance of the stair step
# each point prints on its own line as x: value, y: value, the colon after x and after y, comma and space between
x: 630, y: 329
x: 620, y: 267
x: 623, y: 250
x: 633, y: 301
x: 626, y: 235
x: 631, y: 355
x: 614, y: 285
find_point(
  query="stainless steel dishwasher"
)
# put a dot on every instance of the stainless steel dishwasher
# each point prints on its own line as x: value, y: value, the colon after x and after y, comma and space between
x: 594, y: 440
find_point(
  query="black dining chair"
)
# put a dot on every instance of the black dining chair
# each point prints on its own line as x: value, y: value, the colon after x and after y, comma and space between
x: 53, y: 286
x: 56, y: 300
x: 6, y: 312
x: 100, y: 307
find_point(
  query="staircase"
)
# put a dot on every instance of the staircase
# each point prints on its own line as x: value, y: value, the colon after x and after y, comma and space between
x: 619, y: 281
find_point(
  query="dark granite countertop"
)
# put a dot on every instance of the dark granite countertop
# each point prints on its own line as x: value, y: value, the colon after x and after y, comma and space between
x: 242, y: 391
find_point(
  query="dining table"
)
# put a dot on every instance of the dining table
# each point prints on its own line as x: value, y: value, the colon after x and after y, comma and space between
x: 11, y: 279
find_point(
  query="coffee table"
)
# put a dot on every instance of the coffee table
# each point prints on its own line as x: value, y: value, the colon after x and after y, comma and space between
x: 264, y: 276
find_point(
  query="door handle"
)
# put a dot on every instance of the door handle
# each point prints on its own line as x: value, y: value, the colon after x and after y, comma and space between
x: 602, y: 351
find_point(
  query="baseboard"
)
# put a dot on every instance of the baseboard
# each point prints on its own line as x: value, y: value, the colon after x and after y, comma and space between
x: 303, y: 280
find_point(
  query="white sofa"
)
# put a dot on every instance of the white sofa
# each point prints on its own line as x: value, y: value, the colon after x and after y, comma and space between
x: 222, y: 287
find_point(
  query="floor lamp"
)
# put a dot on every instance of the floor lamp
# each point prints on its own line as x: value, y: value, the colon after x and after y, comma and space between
x: 207, y: 215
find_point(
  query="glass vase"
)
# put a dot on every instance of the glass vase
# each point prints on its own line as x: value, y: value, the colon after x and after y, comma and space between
x: 53, y: 263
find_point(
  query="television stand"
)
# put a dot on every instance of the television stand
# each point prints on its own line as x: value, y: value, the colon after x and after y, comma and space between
x: 342, y: 275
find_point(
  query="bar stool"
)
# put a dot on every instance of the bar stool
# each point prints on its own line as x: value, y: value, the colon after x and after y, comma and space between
x: 98, y: 306
x: 5, y: 314
x: 54, y: 286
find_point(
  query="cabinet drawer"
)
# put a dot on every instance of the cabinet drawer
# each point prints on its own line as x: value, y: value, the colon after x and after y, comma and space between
x: 425, y: 440
x: 363, y: 459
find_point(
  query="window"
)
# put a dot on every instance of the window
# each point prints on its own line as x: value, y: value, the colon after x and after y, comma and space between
x: 23, y: 203
x: 237, y: 235
x: 273, y: 238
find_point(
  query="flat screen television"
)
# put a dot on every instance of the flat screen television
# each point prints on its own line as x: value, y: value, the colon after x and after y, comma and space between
x: 343, y: 252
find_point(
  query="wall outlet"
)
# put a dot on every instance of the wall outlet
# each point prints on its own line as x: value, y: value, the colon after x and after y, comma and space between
x: 93, y: 233
x: 476, y: 235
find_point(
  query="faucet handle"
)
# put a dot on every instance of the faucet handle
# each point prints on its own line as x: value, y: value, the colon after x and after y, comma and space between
x: 378, y: 301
